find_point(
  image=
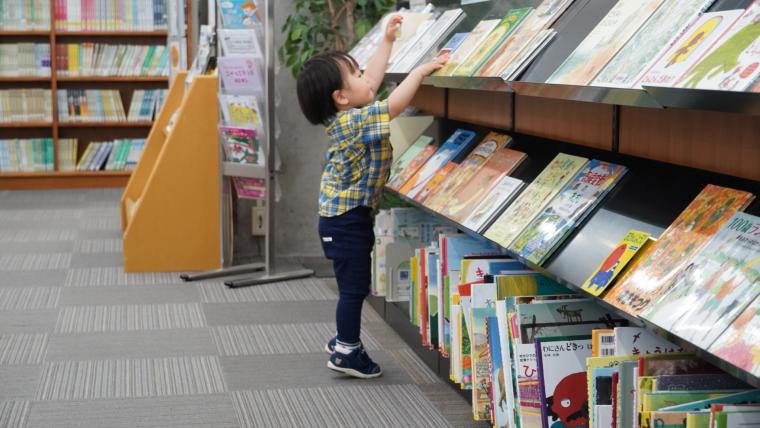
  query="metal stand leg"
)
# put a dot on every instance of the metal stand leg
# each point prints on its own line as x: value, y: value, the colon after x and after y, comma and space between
x: 270, y: 277
x: 235, y: 270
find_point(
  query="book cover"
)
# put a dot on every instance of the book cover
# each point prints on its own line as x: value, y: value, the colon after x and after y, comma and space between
x: 250, y: 188
x: 526, y: 56
x: 240, y: 110
x: 561, y: 365
x: 687, y: 47
x: 534, y: 198
x: 239, y: 42
x: 731, y: 64
x: 637, y: 341
x: 739, y: 344
x: 616, y: 262
x: 493, y: 204
x: 492, y: 41
x: 468, y: 45
x: 398, y: 180
x: 406, y: 158
x: 567, y: 210
x: 465, y: 345
x: 241, y: 75
x: 625, y: 69
x: 456, y: 145
x: 496, y: 368
x: 435, y: 182
x: 407, y: 33
x: 604, y: 41
x: 483, y: 298
x: 416, y: 50
x: 697, y: 382
x: 454, y: 42
x: 429, y: 298
x: 466, y: 169
x: 470, y: 194
x: 672, y: 252
x: 743, y: 397
x: 240, y: 14
x: 241, y: 145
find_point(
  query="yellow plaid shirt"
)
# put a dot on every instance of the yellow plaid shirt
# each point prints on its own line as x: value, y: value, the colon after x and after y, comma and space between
x: 358, y: 159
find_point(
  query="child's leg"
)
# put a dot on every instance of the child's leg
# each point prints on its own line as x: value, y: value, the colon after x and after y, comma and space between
x: 354, y: 275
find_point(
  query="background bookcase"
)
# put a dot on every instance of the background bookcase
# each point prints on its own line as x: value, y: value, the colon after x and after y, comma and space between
x: 85, y: 132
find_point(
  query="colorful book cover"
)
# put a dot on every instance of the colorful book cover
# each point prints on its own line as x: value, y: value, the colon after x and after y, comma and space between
x: 241, y: 145
x: 490, y: 43
x: 454, y: 42
x: 431, y: 297
x: 739, y: 344
x: 468, y: 45
x: 474, y: 161
x: 615, y: 262
x: 250, y: 188
x: 534, y: 198
x: 561, y: 365
x: 238, y: 14
x: 241, y: 74
x: 672, y: 252
x: 637, y: 341
x: 493, y: 204
x: 465, y: 344
x: 398, y: 180
x: 625, y: 69
x: 731, y: 64
x: 435, y: 182
x: 503, y: 380
x: 654, y: 401
x: 715, y: 286
x: 522, y: 39
x: 413, y: 284
x: 604, y: 41
x: 567, y: 210
x: 743, y: 397
x: 496, y: 368
x: 458, y: 143
x: 400, y: 164
x: 483, y: 298
x: 687, y: 47
x: 470, y: 194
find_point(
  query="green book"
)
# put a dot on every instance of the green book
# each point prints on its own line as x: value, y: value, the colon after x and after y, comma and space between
x: 148, y: 60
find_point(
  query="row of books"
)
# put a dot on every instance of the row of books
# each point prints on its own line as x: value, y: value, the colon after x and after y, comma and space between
x: 655, y: 42
x: 25, y: 15
x: 107, y: 15
x: 30, y: 155
x: 117, y: 155
x: 25, y: 59
x: 145, y: 104
x: 90, y: 105
x: 25, y: 105
x: 98, y: 59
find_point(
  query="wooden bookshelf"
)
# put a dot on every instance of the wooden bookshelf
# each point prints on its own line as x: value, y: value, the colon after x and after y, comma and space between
x: 85, y: 132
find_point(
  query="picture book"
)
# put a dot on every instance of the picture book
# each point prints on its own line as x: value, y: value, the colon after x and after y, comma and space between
x: 239, y: 42
x: 736, y: 419
x: 454, y: 42
x: 526, y: 56
x: 567, y: 210
x: 672, y: 252
x: 638, y: 341
x: 594, y: 363
x: 415, y: 225
x: 743, y: 397
x: 616, y: 262
x: 416, y: 305
x: 465, y: 345
x: 599, y: 397
x: 697, y: 382
x: 470, y: 194
x: 454, y: 148
x: 604, y: 41
x: 687, y: 47
x: 467, y: 168
x: 468, y: 45
x: 497, y: 378
x: 654, y: 401
x: 398, y: 271
x: 414, y: 274
x: 492, y: 41
x: 241, y: 110
x: 250, y: 188
x: 626, y: 416
x: 240, y: 14
x: 435, y: 182
x: 407, y: 32
x: 241, y: 145
x: 561, y: 366
x: 483, y: 298
x: 406, y: 158
x: 625, y: 69
x: 731, y: 64
x: 522, y: 40
x: 493, y: 204
x: 241, y: 75
x: 420, y: 35
x: 426, y: 42
x: 429, y: 299
x: 715, y: 286
x: 398, y: 180
x: 739, y: 344
x: 534, y: 198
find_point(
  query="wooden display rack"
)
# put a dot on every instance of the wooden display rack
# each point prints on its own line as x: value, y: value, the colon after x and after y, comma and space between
x: 170, y: 208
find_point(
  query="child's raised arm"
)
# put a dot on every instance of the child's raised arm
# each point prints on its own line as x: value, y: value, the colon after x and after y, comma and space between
x: 403, y: 94
x: 379, y: 62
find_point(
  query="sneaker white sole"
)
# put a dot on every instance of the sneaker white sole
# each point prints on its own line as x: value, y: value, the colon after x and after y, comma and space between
x: 327, y: 349
x: 352, y: 372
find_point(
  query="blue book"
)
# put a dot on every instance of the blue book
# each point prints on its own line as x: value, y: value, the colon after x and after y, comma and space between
x: 453, y: 43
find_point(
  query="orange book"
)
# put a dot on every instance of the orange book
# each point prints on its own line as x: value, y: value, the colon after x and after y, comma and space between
x: 416, y: 163
x: 440, y: 176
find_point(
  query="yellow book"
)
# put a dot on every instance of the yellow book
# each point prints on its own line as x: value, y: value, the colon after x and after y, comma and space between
x: 616, y: 262
x: 698, y: 420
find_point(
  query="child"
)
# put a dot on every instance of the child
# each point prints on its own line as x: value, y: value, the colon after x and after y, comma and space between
x: 333, y: 92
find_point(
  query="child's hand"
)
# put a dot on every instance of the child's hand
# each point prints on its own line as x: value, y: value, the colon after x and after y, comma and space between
x: 437, y: 63
x: 394, y: 24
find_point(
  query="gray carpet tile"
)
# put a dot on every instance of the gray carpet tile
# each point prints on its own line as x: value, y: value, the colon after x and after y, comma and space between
x: 385, y: 335
x: 420, y: 373
x: 135, y: 378
x: 98, y: 246
x: 350, y: 406
x: 51, y: 278
x: 19, y: 382
x: 14, y: 414
x: 275, y: 312
x: 84, y: 319
x: 308, y: 289
x: 131, y: 344
x: 18, y: 247
x: 99, y: 234
x: 135, y: 294
x: 40, y: 216
x: 452, y: 406
x: 23, y: 348
x: 35, y: 261
x: 88, y: 260
x: 266, y: 339
x: 29, y: 298
x: 42, y: 235
x: 156, y: 412
x: 41, y: 321
x: 101, y: 223
x: 113, y: 275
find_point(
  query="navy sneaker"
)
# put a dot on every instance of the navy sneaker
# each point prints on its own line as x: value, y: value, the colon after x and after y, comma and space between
x: 330, y: 347
x: 356, y: 364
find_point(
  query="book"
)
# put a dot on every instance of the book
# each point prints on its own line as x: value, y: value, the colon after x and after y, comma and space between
x: 567, y: 210
x: 467, y: 46
x: 625, y: 69
x: 239, y: 42
x: 492, y: 41
x: 637, y: 341
x: 697, y: 382
x: 25, y: 59
x: 739, y: 344
x: 398, y: 179
x: 604, y: 41
x: 534, y: 198
x: 454, y: 42
x: 731, y: 63
x: 716, y: 285
x: 124, y: 15
x: 466, y: 169
x: 100, y: 59
x: 250, y: 188
x: 241, y: 75
x: 435, y: 182
x: 409, y: 154
x: 454, y: 148
x: 483, y: 299
x: 526, y: 56
x: 616, y: 262
x: 24, y: 15
x: 672, y: 252
x: 418, y: 49
x: 498, y: 397
x: 241, y: 145
x: 687, y: 47
x: 407, y: 33
x: 240, y: 14
x: 241, y: 111
x: 470, y: 194
x: 505, y: 190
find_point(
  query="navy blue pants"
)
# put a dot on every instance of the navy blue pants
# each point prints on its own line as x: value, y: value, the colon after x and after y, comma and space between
x: 347, y: 240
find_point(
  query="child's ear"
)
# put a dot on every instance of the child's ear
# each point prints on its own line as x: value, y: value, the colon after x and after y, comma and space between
x: 339, y: 98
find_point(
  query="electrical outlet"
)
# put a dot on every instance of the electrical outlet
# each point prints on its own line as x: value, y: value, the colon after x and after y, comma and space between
x: 258, y: 217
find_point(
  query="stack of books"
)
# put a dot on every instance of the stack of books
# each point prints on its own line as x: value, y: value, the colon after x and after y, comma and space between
x: 90, y: 105
x: 25, y: 15
x: 101, y: 15
x: 34, y: 155
x: 117, y: 155
x: 25, y: 59
x: 25, y: 105
x: 145, y: 104
x: 96, y: 59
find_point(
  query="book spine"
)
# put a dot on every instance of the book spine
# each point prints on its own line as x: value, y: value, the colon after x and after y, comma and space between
x: 541, y: 384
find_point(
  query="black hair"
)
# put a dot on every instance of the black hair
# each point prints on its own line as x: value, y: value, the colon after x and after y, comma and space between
x: 320, y: 76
